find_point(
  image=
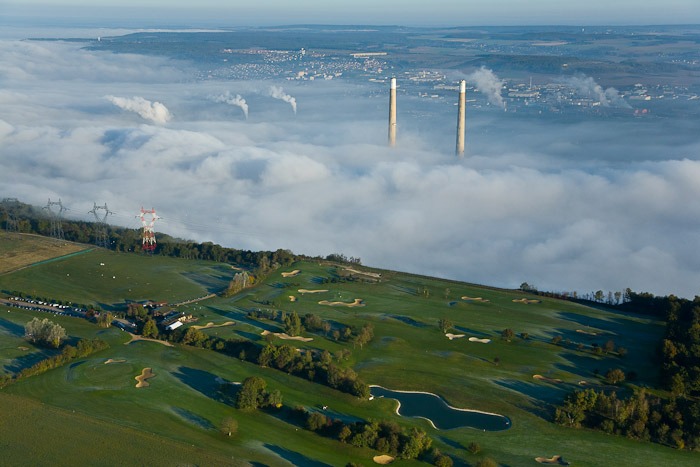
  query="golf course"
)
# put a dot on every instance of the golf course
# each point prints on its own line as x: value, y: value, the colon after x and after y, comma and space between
x: 139, y: 402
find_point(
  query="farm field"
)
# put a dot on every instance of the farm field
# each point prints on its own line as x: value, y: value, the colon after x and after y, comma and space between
x: 175, y: 419
x: 16, y: 251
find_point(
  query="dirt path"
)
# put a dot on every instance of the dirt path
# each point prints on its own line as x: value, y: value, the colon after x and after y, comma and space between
x: 135, y: 338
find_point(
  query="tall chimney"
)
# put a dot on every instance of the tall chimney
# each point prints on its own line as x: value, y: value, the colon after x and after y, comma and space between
x: 392, y: 113
x: 461, y: 118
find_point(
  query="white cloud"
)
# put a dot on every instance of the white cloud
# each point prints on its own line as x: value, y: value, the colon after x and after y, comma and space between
x: 580, y: 206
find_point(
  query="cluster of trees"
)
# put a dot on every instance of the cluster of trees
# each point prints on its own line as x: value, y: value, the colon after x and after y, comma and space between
x: 44, y: 332
x: 320, y: 367
x: 314, y: 366
x: 83, y: 348
x: 253, y: 395
x: 383, y: 436
x: 674, y: 422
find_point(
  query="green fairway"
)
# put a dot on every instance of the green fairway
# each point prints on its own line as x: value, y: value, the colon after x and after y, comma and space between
x: 108, y: 279
x: 182, y: 410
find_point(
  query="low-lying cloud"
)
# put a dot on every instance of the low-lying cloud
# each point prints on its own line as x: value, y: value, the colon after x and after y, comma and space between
x: 565, y: 206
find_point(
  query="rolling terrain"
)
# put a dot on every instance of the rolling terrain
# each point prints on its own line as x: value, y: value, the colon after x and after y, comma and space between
x: 103, y: 418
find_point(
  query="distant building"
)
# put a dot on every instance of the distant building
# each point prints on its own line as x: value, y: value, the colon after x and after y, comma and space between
x: 173, y: 326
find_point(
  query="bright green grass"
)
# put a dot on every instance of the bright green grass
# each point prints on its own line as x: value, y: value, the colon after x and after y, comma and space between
x: 109, y: 279
x: 408, y: 352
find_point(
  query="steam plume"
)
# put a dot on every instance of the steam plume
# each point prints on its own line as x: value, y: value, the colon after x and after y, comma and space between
x: 489, y: 84
x: 278, y: 93
x: 153, y: 111
x: 606, y: 97
x: 236, y: 100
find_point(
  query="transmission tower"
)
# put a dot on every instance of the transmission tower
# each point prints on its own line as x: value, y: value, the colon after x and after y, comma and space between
x: 11, y: 206
x: 56, y: 217
x: 101, y: 238
x: 149, y: 236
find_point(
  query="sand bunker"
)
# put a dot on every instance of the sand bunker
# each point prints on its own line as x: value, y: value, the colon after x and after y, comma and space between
x: 22, y: 348
x: 589, y: 333
x: 291, y: 274
x: 146, y: 373
x: 292, y: 298
x: 552, y: 460
x: 451, y: 336
x: 302, y: 291
x: 285, y: 336
x: 583, y: 383
x: 481, y: 341
x: 370, y: 274
x: 112, y: 360
x: 548, y: 380
x: 383, y: 459
x: 525, y: 301
x: 357, y: 302
x: 212, y: 325
x: 474, y: 299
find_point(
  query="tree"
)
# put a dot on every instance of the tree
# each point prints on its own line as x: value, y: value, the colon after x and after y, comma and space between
x: 292, y: 324
x: 445, y: 325
x: 507, y: 334
x: 364, y: 335
x: 474, y: 447
x: 316, y: 421
x: 442, y: 460
x: 193, y: 337
x: 105, y: 319
x: 615, y: 376
x: 150, y: 329
x: 44, y: 332
x: 229, y: 426
x: 251, y: 394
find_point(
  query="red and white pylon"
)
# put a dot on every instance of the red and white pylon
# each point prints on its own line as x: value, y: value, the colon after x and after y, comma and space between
x: 148, y: 220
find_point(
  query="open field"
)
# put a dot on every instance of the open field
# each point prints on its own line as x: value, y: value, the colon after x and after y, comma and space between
x: 409, y: 352
x: 108, y: 279
x: 21, y: 250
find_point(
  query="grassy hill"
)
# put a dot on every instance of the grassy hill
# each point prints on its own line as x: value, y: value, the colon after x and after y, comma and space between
x: 174, y: 420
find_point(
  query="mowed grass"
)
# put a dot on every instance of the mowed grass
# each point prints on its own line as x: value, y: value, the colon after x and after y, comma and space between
x: 408, y: 352
x: 108, y: 279
x: 21, y: 250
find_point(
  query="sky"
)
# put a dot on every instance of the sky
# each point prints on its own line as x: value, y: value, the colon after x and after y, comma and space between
x: 582, y: 205
x: 272, y: 12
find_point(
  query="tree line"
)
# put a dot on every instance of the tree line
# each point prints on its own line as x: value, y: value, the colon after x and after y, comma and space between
x: 32, y: 220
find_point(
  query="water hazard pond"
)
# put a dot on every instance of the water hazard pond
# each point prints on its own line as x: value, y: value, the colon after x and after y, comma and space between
x: 439, y: 413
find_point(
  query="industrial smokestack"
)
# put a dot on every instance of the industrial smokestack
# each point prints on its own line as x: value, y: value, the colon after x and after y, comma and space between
x: 461, y: 118
x: 392, y: 113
